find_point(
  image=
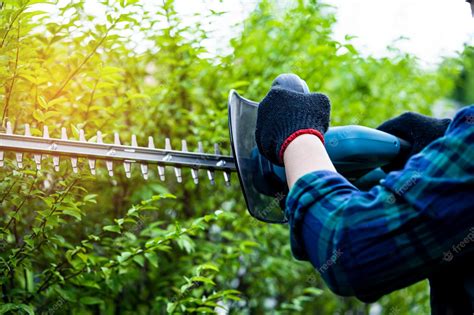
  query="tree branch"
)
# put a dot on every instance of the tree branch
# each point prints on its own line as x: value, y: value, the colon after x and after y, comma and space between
x: 76, y: 71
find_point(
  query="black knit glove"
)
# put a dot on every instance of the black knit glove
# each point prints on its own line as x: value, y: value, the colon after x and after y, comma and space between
x: 283, y: 115
x: 417, y: 129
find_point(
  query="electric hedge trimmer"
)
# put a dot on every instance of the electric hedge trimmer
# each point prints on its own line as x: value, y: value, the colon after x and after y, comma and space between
x: 356, y: 151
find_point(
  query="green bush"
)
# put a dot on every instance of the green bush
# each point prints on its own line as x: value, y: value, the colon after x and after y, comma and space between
x: 82, y: 244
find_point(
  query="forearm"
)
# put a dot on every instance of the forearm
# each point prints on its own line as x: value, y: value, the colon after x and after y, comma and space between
x: 304, y: 155
x: 396, y: 233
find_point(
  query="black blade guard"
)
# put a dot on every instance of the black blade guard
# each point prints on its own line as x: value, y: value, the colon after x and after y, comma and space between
x: 264, y: 203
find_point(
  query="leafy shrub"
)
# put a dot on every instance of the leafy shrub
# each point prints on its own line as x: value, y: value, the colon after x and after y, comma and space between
x: 78, y: 244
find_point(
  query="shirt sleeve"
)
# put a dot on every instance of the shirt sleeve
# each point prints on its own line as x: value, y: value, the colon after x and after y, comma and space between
x: 367, y: 244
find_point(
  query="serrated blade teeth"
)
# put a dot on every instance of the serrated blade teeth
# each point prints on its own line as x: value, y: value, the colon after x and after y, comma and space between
x: 134, y: 141
x: 19, y: 156
x: 19, y: 160
x: 96, y: 150
x: 56, y: 163
x: 36, y: 157
x: 195, y: 176
x: 82, y: 136
x: 210, y: 174
x: 56, y: 158
x: 161, y: 173
x: 144, y: 169
x: 116, y: 139
x: 194, y: 171
x: 45, y: 132
x: 127, y: 166
x: 27, y: 130
x: 178, y: 173
x: 9, y: 128
x: 217, y: 149
x: 99, y: 137
x: 226, y: 174
x: 177, y: 170
x: 227, y: 178
x: 151, y: 143
x: 108, y: 164
x: 161, y: 169
x: 92, y: 166
x: 74, y: 165
x: 184, y: 145
x: 143, y: 166
x: 2, y: 154
x: 63, y: 133
x: 117, y: 142
x: 110, y: 167
x: 52, y: 147
x: 91, y: 162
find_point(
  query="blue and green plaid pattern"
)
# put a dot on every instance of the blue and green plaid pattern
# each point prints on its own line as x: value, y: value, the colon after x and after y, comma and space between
x: 399, y: 232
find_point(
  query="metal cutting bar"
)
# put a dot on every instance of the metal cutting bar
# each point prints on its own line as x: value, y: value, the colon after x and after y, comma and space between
x: 108, y: 152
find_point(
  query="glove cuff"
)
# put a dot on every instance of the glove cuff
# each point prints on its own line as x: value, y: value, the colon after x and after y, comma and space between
x: 296, y: 134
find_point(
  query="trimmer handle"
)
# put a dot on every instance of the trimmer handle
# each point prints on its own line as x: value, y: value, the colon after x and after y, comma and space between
x: 354, y: 151
x: 292, y: 82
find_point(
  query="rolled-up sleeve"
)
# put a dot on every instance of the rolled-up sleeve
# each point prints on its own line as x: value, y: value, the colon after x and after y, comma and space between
x: 367, y: 244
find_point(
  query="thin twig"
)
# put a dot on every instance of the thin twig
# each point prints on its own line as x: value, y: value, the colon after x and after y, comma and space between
x: 28, y: 195
x: 91, y: 99
x: 11, y: 25
x: 8, y: 192
x: 7, y: 100
x: 76, y: 71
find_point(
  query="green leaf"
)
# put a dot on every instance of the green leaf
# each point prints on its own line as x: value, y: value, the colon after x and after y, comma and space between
x: 91, y: 198
x: 140, y: 260
x: 112, y: 228
x: 313, y: 291
x: 10, y: 307
x: 42, y: 102
x: 202, y: 279
x: 39, y: 116
x: 73, y: 213
x: 152, y: 258
x: 89, y: 300
x: 208, y: 266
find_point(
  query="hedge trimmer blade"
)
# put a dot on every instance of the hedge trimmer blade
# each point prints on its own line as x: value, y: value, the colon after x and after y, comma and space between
x: 73, y: 150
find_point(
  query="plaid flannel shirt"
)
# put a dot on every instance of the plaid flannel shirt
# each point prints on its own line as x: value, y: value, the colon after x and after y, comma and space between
x: 415, y: 222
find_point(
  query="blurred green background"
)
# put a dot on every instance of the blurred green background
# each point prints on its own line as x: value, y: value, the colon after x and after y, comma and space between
x: 77, y: 244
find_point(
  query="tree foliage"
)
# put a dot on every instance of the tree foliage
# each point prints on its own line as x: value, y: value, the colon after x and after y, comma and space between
x: 78, y: 244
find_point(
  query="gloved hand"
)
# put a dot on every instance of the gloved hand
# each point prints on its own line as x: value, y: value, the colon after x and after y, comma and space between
x: 417, y: 129
x: 283, y: 115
